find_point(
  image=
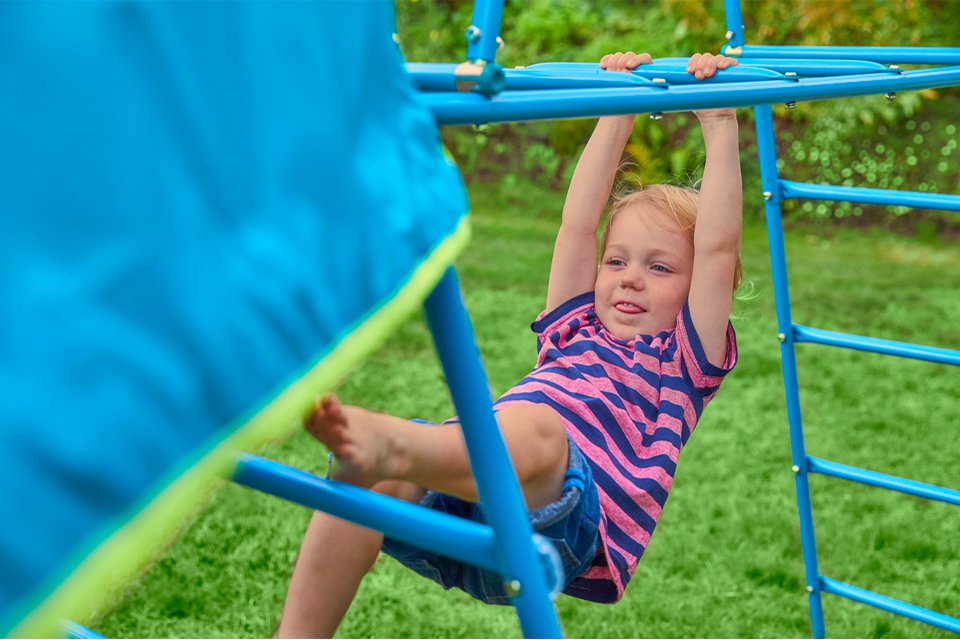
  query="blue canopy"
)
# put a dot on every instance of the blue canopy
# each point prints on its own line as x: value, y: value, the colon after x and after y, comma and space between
x: 209, y: 212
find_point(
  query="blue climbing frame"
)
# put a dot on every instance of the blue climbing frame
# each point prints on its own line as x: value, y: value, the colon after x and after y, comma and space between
x: 775, y: 191
x: 481, y: 92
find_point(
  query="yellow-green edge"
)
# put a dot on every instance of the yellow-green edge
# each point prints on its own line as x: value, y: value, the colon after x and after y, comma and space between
x: 122, y: 556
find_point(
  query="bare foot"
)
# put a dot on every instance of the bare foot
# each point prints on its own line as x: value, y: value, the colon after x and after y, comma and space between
x: 363, y: 442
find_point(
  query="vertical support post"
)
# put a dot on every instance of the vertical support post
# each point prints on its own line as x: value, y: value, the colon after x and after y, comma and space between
x: 735, y: 36
x: 778, y: 263
x: 496, y: 481
x: 484, y: 30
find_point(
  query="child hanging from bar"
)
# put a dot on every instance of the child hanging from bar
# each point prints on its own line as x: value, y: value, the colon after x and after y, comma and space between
x: 630, y: 353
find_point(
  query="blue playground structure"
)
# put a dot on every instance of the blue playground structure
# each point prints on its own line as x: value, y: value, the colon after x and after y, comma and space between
x: 182, y: 275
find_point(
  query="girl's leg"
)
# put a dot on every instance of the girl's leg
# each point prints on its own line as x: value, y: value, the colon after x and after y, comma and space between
x: 334, y: 557
x: 373, y: 447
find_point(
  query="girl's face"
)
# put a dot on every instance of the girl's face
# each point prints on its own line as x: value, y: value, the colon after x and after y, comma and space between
x: 645, y: 272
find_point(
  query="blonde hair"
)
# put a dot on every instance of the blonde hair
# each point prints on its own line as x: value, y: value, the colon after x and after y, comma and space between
x: 678, y: 202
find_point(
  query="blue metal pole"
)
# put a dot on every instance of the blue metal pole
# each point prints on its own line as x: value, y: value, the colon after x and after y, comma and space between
x: 74, y: 630
x: 447, y: 535
x: 884, y: 481
x: 889, y: 604
x: 875, y: 345
x: 803, y: 68
x: 734, y: 35
x: 484, y: 30
x: 512, y: 106
x: 671, y: 70
x: 888, y: 197
x: 768, y: 174
x: 905, y: 55
x: 497, y: 486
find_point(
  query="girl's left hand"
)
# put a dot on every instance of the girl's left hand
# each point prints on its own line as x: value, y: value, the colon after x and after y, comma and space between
x: 703, y: 66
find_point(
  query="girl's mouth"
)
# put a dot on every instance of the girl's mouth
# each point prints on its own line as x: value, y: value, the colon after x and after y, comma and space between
x: 628, y: 307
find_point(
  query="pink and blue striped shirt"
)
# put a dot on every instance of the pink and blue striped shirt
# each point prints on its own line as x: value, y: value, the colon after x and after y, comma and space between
x: 630, y: 406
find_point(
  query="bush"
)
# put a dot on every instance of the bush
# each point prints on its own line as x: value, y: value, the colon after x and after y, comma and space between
x: 911, y: 143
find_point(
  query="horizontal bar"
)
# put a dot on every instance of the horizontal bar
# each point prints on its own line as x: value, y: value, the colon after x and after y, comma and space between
x: 875, y: 345
x: 514, y: 106
x: 808, y: 68
x: 447, y: 535
x: 829, y: 585
x: 436, y: 76
x: 942, y: 201
x: 74, y: 630
x: 882, y: 480
x: 906, y: 55
x: 673, y: 71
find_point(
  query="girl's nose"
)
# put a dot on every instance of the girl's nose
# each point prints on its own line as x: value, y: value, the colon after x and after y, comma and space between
x: 631, y: 279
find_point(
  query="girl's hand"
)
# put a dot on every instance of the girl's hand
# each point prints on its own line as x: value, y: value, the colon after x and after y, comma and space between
x: 624, y: 61
x: 703, y: 66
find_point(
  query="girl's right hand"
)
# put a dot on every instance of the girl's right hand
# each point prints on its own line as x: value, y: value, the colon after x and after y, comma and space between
x: 624, y: 61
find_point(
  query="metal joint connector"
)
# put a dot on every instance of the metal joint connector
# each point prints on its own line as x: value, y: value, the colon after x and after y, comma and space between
x: 767, y: 195
x: 472, y: 34
x: 728, y: 35
x: 795, y: 469
x: 656, y: 116
x: 781, y: 337
x: 891, y: 95
x: 500, y: 44
x: 512, y: 588
x: 809, y: 589
x: 791, y: 105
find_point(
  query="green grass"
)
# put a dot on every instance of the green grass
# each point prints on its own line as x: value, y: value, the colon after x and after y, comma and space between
x: 725, y: 561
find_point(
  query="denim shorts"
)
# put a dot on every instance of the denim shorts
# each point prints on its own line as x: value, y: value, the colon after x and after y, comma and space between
x: 570, y: 523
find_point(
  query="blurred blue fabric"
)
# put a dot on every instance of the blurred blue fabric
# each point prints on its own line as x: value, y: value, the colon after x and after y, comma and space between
x: 196, y: 201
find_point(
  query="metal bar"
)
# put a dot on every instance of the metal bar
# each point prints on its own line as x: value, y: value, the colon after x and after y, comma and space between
x: 484, y: 30
x: 884, y: 481
x: 467, y: 108
x: 74, y: 630
x: 778, y: 263
x: 886, y: 603
x: 888, y: 197
x: 905, y: 55
x: 807, y: 68
x: 497, y: 486
x: 444, y: 534
x: 875, y: 345
x: 734, y: 20
x: 434, y: 76
x: 671, y: 70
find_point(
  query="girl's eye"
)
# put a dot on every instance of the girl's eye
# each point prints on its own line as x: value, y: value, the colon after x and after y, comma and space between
x: 660, y: 268
x: 615, y: 262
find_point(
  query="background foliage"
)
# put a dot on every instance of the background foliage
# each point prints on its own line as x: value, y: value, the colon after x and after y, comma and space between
x: 912, y: 140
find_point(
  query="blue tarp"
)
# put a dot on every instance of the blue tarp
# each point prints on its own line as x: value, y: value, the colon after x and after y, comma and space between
x: 197, y: 200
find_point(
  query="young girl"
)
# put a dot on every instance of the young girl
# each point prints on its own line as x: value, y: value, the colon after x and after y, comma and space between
x: 629, y: 355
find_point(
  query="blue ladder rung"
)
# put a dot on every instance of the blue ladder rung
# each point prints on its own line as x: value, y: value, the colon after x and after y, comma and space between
x: 882, y: 480
x: 888, y: 197
x: 828, y: 585
x: 875, y: 345
x: 447, y: 535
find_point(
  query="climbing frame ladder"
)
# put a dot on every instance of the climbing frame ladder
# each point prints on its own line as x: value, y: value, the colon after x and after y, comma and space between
x: 775, y: 191
x: 507, y: 545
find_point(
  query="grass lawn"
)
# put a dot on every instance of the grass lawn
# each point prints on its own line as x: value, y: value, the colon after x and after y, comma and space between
x: 725, y: 561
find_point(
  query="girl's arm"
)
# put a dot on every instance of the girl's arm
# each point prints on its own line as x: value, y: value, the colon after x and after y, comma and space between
x: 719, y: 220
x: 574, y: 267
